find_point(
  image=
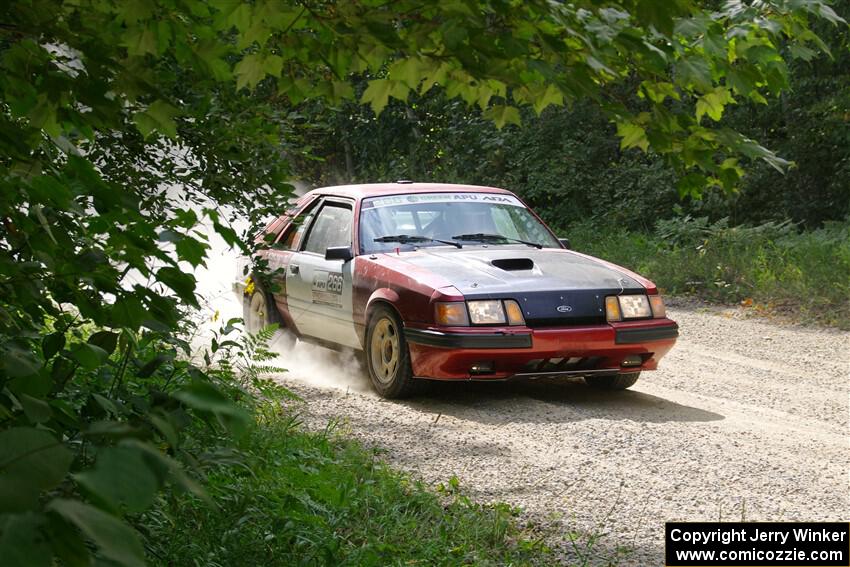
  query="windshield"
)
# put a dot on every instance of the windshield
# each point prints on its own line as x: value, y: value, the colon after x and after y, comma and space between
x: 426, y: 219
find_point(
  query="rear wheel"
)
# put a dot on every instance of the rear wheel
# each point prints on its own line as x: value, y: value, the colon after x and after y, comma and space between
x: 613, y: 382
x: 255, y: 310
x: 387, y: 355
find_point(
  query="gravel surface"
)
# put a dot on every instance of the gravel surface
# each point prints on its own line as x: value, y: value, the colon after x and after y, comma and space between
x: 744, y: 420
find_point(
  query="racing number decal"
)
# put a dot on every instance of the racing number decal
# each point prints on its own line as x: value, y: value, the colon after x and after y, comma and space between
x: 327, y: 288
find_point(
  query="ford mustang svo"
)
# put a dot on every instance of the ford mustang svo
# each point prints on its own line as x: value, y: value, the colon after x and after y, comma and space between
x: 451, y: 282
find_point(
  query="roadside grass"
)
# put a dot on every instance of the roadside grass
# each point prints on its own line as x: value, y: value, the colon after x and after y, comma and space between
x: 288, y: 496
x: 771, y: 268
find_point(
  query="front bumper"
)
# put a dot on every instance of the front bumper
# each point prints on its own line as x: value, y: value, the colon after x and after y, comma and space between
x: 516, y: 352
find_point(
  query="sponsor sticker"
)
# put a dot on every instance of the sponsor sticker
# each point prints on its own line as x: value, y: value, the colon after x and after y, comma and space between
x: 327, y: 288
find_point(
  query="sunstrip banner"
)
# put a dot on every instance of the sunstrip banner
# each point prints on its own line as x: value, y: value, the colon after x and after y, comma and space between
x: 397, y: 200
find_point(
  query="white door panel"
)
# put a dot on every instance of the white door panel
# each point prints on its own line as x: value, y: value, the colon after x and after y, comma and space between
x: 320, y: 298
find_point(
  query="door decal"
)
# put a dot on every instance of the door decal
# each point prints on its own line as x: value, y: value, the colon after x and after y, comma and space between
x: 327, y: 288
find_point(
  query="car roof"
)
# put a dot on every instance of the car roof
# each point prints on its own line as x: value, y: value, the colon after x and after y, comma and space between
x: 364, y: 190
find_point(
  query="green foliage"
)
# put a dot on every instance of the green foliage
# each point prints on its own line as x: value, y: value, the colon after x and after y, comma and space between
x: 319, y: 499
x: 770, y: 266
x: 135, y: 417
x: 568, y: 166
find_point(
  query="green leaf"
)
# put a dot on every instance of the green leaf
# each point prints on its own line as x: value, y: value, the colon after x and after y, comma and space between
x: 632, y: 136
x: 825, y: 11
x: 407, y: 71
x: 88, y: 356
x: 107, y: 340
x: 141, y: 40
x: 552, y: 95
x: 68, y: 544
x: 502, y: 114
x: 114, y: 539
x: 23, y: 541
x: 377, y: 94
x: 241, y: 17
x: 17, y: 361
x: 730, y: 173
x: 158, y: 117
x: 713, y: 103
x: 191, y: 250
x: 128, y: 311
x: 167, y: 469
x: 692, y: 185
x: 132, y: 12
x: 107, y: 404
x: 341, y: 90
x: 151, y: 366
x: 36, y: 410
x: 51, y: 344
x: 694, y: 72
x: 658, y: 92
x: 249, y: 71
x: 182, y: 284
x: 272, y: 65
x: 800, y: 51
x: 121, y: 477
x: 204, y: 397
x: 31, y: 461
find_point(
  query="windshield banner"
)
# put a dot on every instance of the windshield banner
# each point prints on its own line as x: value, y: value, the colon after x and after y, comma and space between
x: 396, y: 200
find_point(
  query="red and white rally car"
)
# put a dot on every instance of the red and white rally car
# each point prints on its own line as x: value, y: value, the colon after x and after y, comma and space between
x: 452, y: 282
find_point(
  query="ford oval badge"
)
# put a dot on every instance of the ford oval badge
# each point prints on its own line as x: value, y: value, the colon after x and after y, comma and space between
x: 564, y: 309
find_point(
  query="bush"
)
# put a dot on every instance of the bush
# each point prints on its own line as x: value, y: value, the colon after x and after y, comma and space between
x: 771, y: 265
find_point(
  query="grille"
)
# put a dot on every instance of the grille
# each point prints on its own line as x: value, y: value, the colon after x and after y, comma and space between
x: 564, y: 322
x: 562, y: 364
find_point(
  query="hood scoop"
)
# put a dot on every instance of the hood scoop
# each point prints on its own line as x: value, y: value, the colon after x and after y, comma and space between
x: 513, y: 264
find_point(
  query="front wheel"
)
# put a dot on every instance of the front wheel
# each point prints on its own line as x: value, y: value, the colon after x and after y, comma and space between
x: 387, y: 355
x: 613, y: 382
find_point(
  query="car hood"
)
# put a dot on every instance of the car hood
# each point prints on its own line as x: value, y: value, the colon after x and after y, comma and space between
x: 476, y: 271
x: 554, y: 287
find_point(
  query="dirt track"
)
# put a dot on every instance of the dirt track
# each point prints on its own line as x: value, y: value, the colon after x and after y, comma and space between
x: 745, y: 419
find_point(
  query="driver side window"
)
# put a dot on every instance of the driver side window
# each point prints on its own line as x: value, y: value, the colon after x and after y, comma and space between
x: 294, y: 234
x: 332, y: 227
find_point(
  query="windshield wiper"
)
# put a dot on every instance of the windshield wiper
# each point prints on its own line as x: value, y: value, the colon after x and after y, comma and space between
x: 410, y: 239
x: 483, y: 237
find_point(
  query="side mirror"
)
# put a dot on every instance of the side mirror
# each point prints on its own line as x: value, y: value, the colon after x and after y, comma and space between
x: 343, y: 253
x: 565, y: 242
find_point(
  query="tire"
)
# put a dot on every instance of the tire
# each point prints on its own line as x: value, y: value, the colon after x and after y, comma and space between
x: 258, y: 311
x: 613, y: 382
x: 387, y: 355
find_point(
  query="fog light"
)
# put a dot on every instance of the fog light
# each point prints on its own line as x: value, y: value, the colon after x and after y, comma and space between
x: 632, y: 360
x: 481, y: 368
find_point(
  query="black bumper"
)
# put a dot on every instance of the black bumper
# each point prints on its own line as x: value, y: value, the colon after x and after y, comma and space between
x: 646, y: 334
x: 464, y: 340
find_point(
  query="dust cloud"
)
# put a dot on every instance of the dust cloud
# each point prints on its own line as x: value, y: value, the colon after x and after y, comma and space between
x: 318, y: 366
x: 304, y: 362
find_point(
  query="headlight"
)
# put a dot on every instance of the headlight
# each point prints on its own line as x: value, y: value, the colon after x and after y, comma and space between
x: 490, y: 312
x: 622, y: 307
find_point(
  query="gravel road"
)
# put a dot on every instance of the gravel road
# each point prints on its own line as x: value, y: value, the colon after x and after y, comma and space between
x: 745, y: 420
